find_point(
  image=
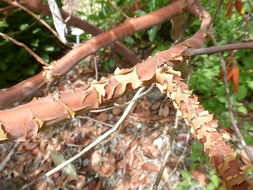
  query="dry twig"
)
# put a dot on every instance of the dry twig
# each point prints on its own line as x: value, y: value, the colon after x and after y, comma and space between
x: 16, y: 4
x: 230, y: 106
x: 38, y: 58
x: 8, y: 157
x: 218, y: 49
x: 168, y: 153
x: 99, y: 139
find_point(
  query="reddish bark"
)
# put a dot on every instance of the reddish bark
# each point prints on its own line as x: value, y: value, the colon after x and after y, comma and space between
x: 24, y: 121
x: 63, y: 65
x: 42, y: 8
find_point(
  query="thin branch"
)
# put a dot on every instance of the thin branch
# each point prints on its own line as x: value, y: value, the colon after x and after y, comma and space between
x: 217, y: 10
x: 250, y: 5
x: 123, y: 105
x: 8, y: 157
x: 217, y: 49
x: 99, y: 122
x: 181, y: 156
x: 168, y: 153
x: 118, y: 9
x: 38, y: 58
x: 99, y: 139
x: 15, y: 3
x: 96, y: 69
x: 230, y: 106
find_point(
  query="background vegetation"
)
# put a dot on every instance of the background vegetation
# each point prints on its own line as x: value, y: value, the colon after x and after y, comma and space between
x: 205, y: 71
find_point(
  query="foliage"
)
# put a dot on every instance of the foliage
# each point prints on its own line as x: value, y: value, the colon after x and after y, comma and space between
x: 16, y: 63
x: 206, y: 80
x: 189, y: 183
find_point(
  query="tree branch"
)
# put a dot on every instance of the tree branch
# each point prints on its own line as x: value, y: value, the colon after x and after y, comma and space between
x: 66, y: 63
x: 217, y: 49
x: 38, y: 58
x: 42, y: 8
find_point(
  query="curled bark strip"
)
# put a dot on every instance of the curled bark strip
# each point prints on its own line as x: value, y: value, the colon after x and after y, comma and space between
x: 64, y: 64
x: 66, y: 104
x: 24, y: 121
x: 204, y: 128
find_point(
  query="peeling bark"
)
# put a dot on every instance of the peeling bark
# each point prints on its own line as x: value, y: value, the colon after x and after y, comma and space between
x: 25, y: 121
x: 67, y: 62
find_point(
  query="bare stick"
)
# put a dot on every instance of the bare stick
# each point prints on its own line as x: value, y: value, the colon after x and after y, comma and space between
x: 8, y: 157
x: 100, y: 122
x: 15, y: 3
x: 119, y: 105
x: 217, y: 49
x: 99, y: 139
x: 118, y: 9
x: 217, y: 10
x: 181, y: 156
x: 230, y: 106
x: 96, y: 69
x: 167, y: 155
x: 38, y: 58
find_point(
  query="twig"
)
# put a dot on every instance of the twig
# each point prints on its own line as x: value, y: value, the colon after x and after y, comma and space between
x: 100, y: 122
x: 217, y: 49
x: 250, y: 5
x: 118, y: 9
x: 181, y: 156
x: 15, y: 3
x: 96, y: 68
x: 230, y: 106
x: 99, y: 139
x: 123, y: 105
x: 217, y: 10
x: 167, y: 155
x: 38, y: 58
x: 8, y: 157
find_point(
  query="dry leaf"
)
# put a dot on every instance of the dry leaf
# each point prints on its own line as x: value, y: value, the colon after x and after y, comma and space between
x: 69, y: 169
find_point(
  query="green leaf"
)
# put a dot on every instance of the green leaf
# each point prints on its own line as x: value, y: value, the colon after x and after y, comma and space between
x: 140, y: 12
x: 250, y: 84
x: 109, y: 65
x: 152, y: 33
x: 45, y: 56
x: 243, y: 92
x: 23, y: 26
x: 129, y: 40
x: 69, y: 169
x: 49, y: 48
x: 251, y: 29
x: 242, y: 109
x: 35, y: 43
x: 251, y: 105
x: 186, y: 175
x: 215, y: 180
x: 35, y: 31
x: 3, y: 24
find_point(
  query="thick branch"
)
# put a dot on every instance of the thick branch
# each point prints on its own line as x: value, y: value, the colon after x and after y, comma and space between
x: 66, y: 104
x: 63, y: 65
x: 24, y: 121
x: 42, y: 8
x: 217, y: 49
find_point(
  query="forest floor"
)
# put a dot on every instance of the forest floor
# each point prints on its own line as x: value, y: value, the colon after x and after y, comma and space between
x: 130, y: 158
